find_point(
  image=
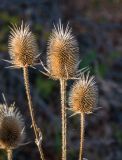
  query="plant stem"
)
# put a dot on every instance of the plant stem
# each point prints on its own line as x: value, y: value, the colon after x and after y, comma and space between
x: 64, y: 119
x: 82, y: 123
x: 9, y: 154
x: 35, y: 128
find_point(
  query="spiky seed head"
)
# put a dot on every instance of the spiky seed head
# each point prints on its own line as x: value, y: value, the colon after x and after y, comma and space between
x: 22, y: 46
x: 84, y: 95
x: 63, y: 53
x: 11, y: 127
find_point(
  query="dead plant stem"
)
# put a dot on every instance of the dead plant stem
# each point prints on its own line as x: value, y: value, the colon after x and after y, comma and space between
x: 35, y: 128
x: 9, y: 154
x: 82, y: 123
x: 64, y: 119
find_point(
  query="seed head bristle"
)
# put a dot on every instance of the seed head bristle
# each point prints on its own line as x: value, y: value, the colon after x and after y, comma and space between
x: 62, y: 55
x: 11, y: 127
x: 22, y: 46
x: 84, y: 95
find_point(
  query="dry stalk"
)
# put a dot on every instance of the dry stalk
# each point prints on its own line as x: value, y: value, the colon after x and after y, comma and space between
x: 82, y: 123
x: 83, y: 99
x: 62, y: 64
x: 36, y: 129
x: 10, y: 154
x: 23, y: 52
x: 64, y: 119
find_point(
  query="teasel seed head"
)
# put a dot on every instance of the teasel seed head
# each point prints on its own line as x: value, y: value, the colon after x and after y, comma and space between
x: 84, y: 95
x: 22, y: 46
x: 63, y: 53
x: 11, y: 127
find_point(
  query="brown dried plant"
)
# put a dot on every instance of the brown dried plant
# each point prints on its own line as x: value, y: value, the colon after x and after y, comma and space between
x: 11, y: 129
x: 62, y: 65
x: 83, y: 100
x: 23, y: 53
x: 63, y: 53
x: 22, y: 46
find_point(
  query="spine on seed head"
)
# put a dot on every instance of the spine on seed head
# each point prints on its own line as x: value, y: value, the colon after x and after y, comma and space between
x: 11, y: 127
x: 22, y: 47
x: 84, y: 95
x: 63, y: 52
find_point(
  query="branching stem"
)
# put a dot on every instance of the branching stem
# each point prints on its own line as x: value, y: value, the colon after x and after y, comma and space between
x: 64, y: 119
x: 35, y: 128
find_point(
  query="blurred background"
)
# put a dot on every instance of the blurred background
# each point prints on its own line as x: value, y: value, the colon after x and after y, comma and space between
x: 97, y: 25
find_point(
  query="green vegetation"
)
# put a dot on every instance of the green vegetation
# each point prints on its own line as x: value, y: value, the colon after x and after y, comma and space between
x: 45, y: 86
x: 6, y: 20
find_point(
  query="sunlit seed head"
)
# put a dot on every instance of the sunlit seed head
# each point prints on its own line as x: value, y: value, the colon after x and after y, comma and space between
x: 63, y: 53
x: 84, y: 95
x: 22, y: 46
x: 11, y: 127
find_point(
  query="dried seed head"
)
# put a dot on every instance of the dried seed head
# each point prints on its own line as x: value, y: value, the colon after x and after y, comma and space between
x: 22, y: 46
x: 11, y: 127
x: 84, y: 95
x: 62, y: 56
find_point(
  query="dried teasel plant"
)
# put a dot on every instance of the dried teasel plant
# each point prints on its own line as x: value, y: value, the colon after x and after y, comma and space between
x: 83, y: 100
x: 12, y: 127
x: 63, y: 53
x: 62, y: 65
x: 22, y: 46
x: 23, y: 52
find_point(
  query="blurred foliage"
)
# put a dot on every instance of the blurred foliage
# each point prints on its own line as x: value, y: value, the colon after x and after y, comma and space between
x: 118, y: 136
x: 3, y: 155
x: 57, y: 144
x: 102, y: 67
x: 38, y: 27
x: 7, y: 18
x: 96, y: 3
x: 46, y: 35
x: 72, y: 154
x: 45, y: 86
x: 102, y: 20
x: 6, y: 21
x: 114, y: 55
x: 88, y: 59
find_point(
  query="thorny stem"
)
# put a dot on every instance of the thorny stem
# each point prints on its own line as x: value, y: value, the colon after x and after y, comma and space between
x: 64, y: 120
x: 82, y: 123
x: 9, y: 154
x: 35, y: 128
